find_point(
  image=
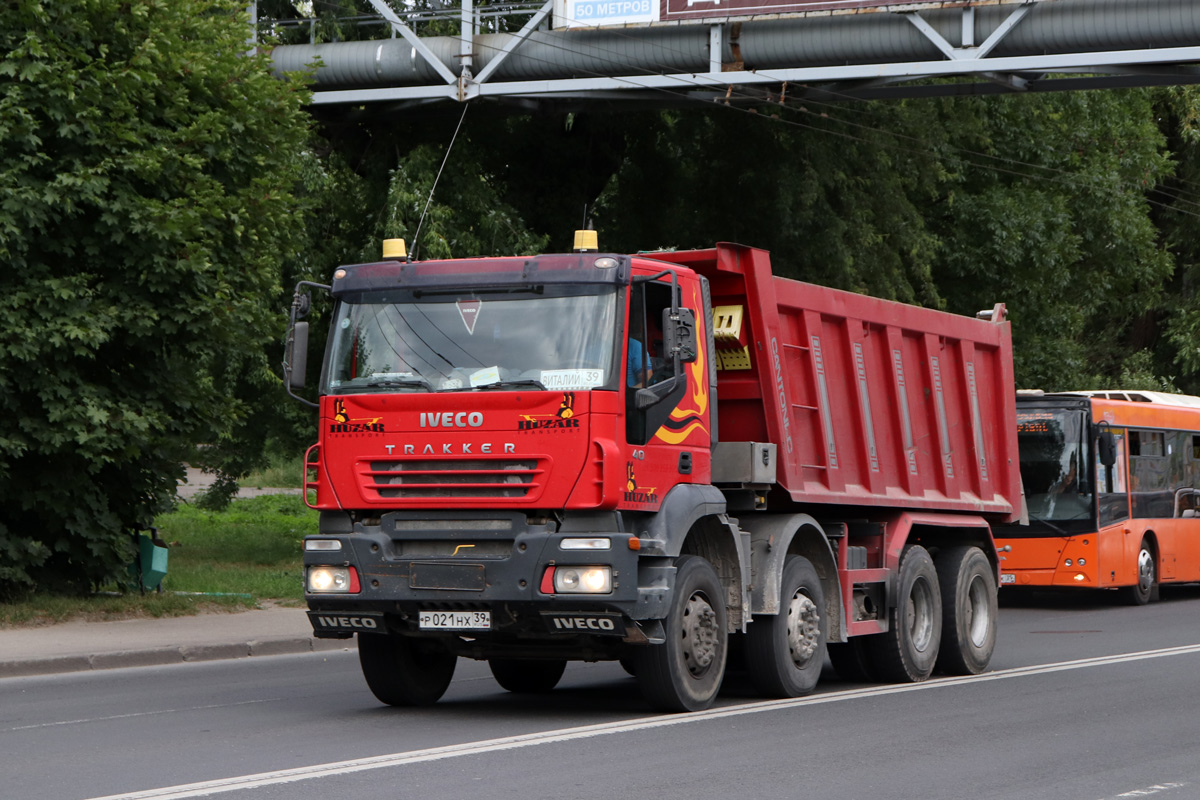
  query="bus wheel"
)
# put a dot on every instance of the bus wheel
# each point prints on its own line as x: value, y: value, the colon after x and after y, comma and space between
x: 527, y: 676
x: 684, y: 673
x: 785, y: 652
x: 402, y: 671
x: 969, y: 610
x: 909, y: 648
x: 1142, y: 592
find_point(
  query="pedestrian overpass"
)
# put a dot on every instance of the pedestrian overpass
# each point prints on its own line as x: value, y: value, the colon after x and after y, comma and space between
x: 738, y: 50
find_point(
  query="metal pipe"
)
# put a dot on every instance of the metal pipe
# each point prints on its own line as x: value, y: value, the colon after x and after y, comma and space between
x: 1062, y: 26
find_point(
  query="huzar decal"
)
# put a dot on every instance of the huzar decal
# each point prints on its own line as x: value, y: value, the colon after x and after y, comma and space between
x: 342, y: 423
x: 689, y: 415
x: 562, y: 420
x: 635, y: 493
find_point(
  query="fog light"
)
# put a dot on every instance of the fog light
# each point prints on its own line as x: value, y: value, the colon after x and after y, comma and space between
x: 332, y: 580
x: 325, y: 545
x: 1081, y: 562
x: 583, y: 580
x: 1080, y: 576
x: 585, y: 544
x: 1067, y: 563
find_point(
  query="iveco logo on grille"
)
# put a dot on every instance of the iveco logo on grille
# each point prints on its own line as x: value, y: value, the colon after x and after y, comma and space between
x: 449, y: 419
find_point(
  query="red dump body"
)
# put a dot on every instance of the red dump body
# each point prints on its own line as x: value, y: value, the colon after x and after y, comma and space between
x: 870, y: 402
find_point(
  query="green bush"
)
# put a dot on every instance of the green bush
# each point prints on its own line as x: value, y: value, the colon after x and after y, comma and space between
x: 146, y: 172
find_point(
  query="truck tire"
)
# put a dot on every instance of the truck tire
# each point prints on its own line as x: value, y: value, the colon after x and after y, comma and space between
x: 1143, y: 591
x: 684, y: 673
x: 402, y: 671
x: 970, y: 608
x: 786, y: 651
x: 527, y: 676
x: 907, y: 652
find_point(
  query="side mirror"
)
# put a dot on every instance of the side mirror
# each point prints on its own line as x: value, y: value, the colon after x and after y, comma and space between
x: 1108, y: 448
x: 295, y: 358
x: 653, y: 395
x: 679, y: 334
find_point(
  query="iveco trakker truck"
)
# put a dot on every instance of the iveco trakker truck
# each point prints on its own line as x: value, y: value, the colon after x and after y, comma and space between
x: 661, y: 459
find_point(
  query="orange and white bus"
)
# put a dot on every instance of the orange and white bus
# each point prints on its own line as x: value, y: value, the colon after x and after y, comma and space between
x: 1112, y: 491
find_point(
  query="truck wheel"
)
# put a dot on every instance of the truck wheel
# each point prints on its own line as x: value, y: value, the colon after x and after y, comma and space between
x: 908, y: 650
x: 402, y: 671
x: 1142, y: 592
x: 969, y: 610
x: 785, y: 652
x: 684, y: 673
x: 527, y: 676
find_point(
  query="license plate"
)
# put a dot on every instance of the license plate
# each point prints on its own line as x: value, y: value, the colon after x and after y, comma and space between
x: 1008, y: 577
x: 455, y: 620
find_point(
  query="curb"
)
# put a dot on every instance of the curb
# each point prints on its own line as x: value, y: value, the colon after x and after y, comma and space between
x: 162, y: 656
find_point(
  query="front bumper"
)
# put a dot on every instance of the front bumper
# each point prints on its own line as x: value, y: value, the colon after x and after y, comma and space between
x: 486, y: 561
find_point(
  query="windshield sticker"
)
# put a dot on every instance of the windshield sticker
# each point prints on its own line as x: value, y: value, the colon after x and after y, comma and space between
x: 469, y: 311
x: 572, y: 378
x: 482, y: 377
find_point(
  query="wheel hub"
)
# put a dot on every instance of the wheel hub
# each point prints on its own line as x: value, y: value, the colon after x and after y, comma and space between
x: 803, y: 628
x: 918, y: 614
x: 979, y: 620
x: 1145, y: 570
x: 700, y: 634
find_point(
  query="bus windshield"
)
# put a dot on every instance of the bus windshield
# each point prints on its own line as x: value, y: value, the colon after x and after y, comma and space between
x: 1054, y: 448
x: 559, y: 337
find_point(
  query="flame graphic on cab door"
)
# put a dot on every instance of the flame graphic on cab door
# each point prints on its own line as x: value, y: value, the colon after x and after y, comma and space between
x: 688, y: 416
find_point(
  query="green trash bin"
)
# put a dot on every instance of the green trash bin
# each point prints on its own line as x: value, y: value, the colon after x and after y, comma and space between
x: 151, y: 563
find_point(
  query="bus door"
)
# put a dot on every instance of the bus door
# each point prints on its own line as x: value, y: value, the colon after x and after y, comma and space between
x: 1112, y: 490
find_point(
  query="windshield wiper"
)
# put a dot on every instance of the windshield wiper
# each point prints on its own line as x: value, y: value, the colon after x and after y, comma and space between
x: 1049, y: 524
x: 406, y: 383
x: 530, y: 382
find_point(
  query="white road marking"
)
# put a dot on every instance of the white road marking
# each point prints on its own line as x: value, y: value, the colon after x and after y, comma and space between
x: 206, y: 788
x: 136, y: 714
x: 1152, y: 790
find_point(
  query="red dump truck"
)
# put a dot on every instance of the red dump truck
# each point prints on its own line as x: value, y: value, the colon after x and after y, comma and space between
x: 674, y: 460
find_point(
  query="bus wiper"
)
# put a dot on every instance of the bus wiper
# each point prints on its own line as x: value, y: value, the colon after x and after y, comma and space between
x: 406, y: 383
x: 1049, y: 524
x: 511, y: 384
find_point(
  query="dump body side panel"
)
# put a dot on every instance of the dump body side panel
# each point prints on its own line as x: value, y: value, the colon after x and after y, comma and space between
x: 870, y: 402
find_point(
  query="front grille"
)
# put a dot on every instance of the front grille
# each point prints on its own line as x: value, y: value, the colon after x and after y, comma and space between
x: 428, y: 479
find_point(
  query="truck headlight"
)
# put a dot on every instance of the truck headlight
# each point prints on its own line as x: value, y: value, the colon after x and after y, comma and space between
x: 582, y: 580
x: 332, y: 580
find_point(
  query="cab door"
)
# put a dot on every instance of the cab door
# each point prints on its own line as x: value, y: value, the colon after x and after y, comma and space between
x: 667, y: 430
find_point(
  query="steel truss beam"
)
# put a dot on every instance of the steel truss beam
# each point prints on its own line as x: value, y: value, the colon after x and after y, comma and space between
x: 984, y: 72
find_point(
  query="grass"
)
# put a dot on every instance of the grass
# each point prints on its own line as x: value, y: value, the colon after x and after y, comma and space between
x: 243, y: 557
x: 283, y: 471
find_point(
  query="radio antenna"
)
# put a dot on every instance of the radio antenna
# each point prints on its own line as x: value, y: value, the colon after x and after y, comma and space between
x: 438, y: 177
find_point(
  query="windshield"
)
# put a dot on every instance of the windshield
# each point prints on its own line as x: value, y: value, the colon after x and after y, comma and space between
x: 1054, y: 463
x: 553, y: 337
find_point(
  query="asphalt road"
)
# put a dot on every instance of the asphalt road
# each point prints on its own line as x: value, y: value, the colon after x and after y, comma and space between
x: 1087, y: 700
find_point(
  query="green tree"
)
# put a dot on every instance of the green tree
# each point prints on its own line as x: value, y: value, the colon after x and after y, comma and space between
x: 147, y: 162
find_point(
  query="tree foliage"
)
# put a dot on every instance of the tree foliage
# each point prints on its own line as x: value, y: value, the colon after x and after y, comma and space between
x: 146, y: 168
